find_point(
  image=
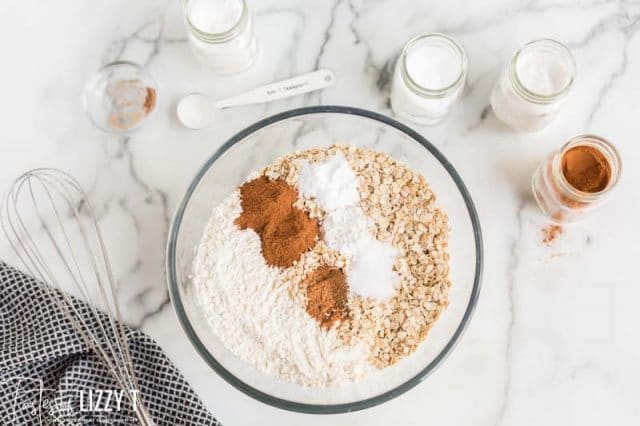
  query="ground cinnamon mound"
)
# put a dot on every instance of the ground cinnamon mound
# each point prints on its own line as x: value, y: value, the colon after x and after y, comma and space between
x: 285, y: 231
x: 326, y: 290
x: 586, y: 169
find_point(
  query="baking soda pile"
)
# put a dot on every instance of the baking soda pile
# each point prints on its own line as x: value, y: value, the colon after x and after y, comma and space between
x: 360, y: 297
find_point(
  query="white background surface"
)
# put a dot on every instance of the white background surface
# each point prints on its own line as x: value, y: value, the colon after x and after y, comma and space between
x: 554, y: 339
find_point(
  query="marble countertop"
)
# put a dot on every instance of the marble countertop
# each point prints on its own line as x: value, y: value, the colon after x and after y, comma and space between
x: 554, y: 339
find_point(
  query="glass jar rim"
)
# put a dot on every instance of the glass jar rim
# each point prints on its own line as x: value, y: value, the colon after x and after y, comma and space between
x: 222, y: 37
x: 424, y: 91
x: 530, y: 95
x: 601, y: 144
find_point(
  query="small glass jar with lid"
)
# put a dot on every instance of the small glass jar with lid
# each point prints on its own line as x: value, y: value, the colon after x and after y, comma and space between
x: 221, y: 34
x: 579, y: 177
x: 533, y: 85
x: 429, y: 78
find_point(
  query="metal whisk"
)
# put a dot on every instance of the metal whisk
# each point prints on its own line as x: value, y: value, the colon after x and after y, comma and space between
x: 42, y: 212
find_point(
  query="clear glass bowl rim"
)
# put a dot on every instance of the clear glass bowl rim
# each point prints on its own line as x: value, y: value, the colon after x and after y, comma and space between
x: 176, y: 300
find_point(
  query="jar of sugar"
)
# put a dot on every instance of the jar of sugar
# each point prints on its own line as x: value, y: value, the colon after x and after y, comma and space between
x: 221, y: 34
x: 534, y: 85
x: 429, y: 78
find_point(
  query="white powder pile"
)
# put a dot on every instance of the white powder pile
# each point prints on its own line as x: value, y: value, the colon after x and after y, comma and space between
x: 334, y: 186
x: 332, y: 183
x: 249, y: 308
x: 346, y: 230
x: 371, y: 272
x: 214, y: 16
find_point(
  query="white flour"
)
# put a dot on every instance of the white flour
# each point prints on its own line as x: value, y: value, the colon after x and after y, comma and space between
x: 249, y: 308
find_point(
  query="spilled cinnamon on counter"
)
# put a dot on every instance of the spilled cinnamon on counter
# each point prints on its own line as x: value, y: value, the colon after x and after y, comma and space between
x: 326, y: 290
x: 550, y: 233
x: 586, y: 169
x: 286, y: 232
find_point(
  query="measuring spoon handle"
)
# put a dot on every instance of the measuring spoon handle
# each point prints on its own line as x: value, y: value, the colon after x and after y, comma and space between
x: 282, y: 89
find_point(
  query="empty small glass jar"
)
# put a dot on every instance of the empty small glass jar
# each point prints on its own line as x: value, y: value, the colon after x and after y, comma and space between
x: 221, y: 34
x: 429, y: 78
x: 533, y: 85
x: 557, y: 197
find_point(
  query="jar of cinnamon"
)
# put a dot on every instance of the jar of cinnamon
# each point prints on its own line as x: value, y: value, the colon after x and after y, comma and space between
x: 577, y: 178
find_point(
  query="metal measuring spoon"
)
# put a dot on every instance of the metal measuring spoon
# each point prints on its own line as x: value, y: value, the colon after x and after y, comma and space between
x: 196, y: 110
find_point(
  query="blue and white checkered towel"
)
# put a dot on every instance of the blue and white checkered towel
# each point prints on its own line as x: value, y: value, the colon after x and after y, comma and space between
x: 48, y: 375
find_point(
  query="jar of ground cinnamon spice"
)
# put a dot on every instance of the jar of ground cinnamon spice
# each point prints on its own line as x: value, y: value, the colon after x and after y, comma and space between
x: 577, y: 178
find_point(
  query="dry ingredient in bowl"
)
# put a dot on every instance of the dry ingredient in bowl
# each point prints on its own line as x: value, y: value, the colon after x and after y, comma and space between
x: 248, y: 307
x: 131, y: 101
x: 358, y: 296
x: 326, y: 290
x: 334, y: 187
x: 285, y: 231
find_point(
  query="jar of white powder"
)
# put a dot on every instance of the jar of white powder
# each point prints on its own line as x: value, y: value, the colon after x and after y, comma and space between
x: 429, y: 78
x: 533, y: 85
x: 221, y: 34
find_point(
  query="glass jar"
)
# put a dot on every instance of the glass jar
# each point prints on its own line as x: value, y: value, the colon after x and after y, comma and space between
x: 429, y: 78
x: 221, y: 34
x: 560, y: 200
x: 533, y: 85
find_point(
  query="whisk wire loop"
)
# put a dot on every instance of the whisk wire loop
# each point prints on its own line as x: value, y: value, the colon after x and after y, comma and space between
x: 62, y: 209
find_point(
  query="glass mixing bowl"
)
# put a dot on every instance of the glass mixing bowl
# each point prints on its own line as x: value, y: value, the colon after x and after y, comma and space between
x: 260, y: 145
